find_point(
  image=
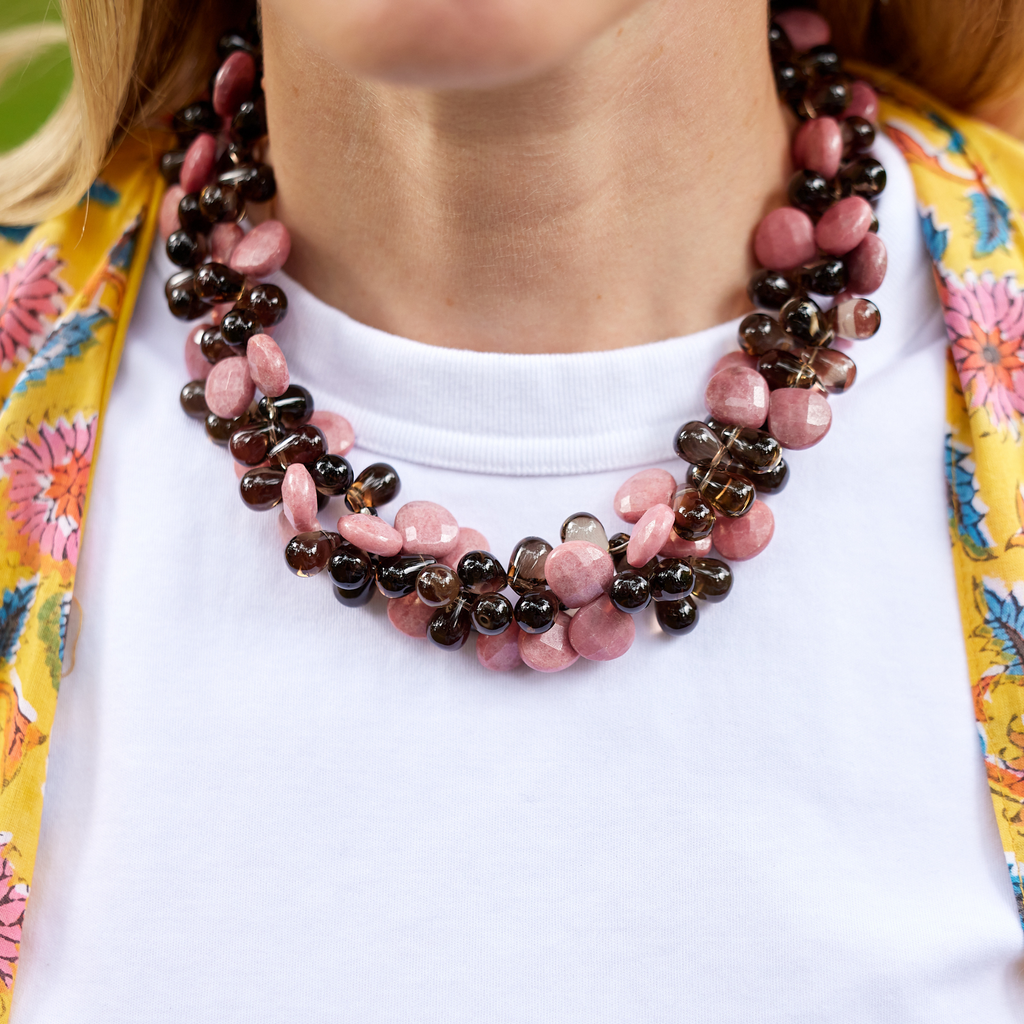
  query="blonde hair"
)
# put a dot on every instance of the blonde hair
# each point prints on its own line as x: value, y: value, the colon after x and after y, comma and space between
x: 136, y: 59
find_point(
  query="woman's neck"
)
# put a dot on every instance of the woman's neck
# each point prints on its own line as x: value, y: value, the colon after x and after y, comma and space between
x: 607, y: 203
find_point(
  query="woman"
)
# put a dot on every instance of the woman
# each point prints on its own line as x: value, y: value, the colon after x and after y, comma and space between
x: 263, y: 804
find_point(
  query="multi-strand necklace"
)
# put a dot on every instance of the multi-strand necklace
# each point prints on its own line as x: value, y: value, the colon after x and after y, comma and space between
x: 577, y: 598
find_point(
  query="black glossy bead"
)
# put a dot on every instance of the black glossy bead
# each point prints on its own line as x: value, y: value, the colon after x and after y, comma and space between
x: 185, y: 248
x: 231, y: 41
x: 756, y: 450
x: 697, y: 442
x: 820, y: 61
x: 438, y: 585
x: 727, y: 492
x: 492, y: 614
x: 291, y: 409
x: 804, y: 319
x: 826, y: 277
x: 630, y: 591
x: 261, y: 487
x: 450, y: 627
x: 828, y: 98
x: 864, y: 177
x: 251, y: 444
x: 779, y: 45
x: 170, y: 165
x: 307, y: 554
x: 303, y: 445
x: 195, y: 118
x: 790, y: 82
x: 396, y: 577
x: 672, y: 580
x: 695, y: 518
x: 349, y: 568
x: 811, y: 192
x: 783, y: 368
x: 770, y: 289
x: 712, y: 579
x: 535, y: 611
x: 221, y: 204
x: 375, y: 486
x: 481, y: 572
x: 234, y: 155
x: 193, y: 399
x: 355, y: 598
x: 255, y: 182
x: 858, y: 134
x: 219, y: 430
x: 760, y: 333
x: 677, y: 617
x: 182, y: 299
x: 216, y: 282
x: 772, y: 480
x: 331, y: 475
x: 213, y: 345
x: 268, y: 302
x: 250, y: 123
x: 190, y: 216
x: 239, y: 325
x: 617, y: 545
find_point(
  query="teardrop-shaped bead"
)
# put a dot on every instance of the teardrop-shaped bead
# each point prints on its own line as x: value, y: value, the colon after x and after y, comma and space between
x: 712, y: 579
x: 375, y: 486
x: 799, y: 417
x: 535, y: 612
x: 298, y: 494
x: 409, y: 615
x: 867, y: 264
x: 349, y: 567
x: 649, y: 535
x: 261, y: 487
x: 578, y: 572
x: 740, y: 539
x: 673, y: 579
x: 396, y: 577
x: 835, y: 370
x: 855, y: 318
x: 370, y: 533
x: 584, y: 526
x: 784, y: 240
x: 526, y: 565
x: 818, y: 146
x: 263, y: 251
x: 481, y: 573
x: 843, y: 226
x: 493, y: 614
x: 694, y: 517
x: 728, y: 493
x: 438, y: 585
x: 737, y: 395
x: 450, y: 626
x: 697, y: 442
x: 426, y: 528
x: 677, y: 617
x: 630, y: 591
x: 193, y: 399
x: 331, y: 474
x: 308, y: 553
x: 641, y: 491
x: 305, y: 444
x: 600, y: 632
x: 267, y: 365
x: 550, y: 651
x: 757, y: 450
x: 500, y: 652
x: 229, y: 388
x: 290, y: 409
x: 760, y: 333
x: 803, y: 319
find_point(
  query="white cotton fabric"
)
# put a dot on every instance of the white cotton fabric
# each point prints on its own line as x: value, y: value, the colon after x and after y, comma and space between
x: 265, y: 807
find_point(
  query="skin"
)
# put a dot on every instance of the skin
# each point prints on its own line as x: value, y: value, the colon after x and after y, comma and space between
x: 524, y: 175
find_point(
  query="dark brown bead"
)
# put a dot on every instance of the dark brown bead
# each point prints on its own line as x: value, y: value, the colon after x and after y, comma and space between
x: 185, y: 248
x: 785, y: 369
x: 697, y: 442
x: 234, y: 155
x: 617, y: 545
x: 535, y: 611
x: 695, y: 519
x: 231, y: 41
x: 757, y: 450
x: 195, y: 118
x: 672, y: 580
x: 268, y: 302
x: 375, y: 486
x: 804, y: 319
x: 820, y: 61
x: 772, y: 480
x: 728, y: 493
x: 170, y: 165
x: 526, y: 566
x: 261, y: 487
x: 251, y: 444
x: 308, y: 553
x: 239, y: 325
x: 828, y: 98
x: 769, y: 289
x: 492, y: 614
x: 790, y: 82
x: 221, y: 204
x: 396, y: 577
x: 586, y: 527
x: 826, y: 277
x: 213, y: 345
x: 630, y: 591
x: 760, y: 333
x: 858, y: 134
x: 450, y: 626
x: 190, y: 216
x: 677, y: 617
x: 712, y: 579
x: 182, y: 300
x: 350, y: 568
x: 358, y: 597
x: 219, y: 429
x: 481, y: 572
x: 255, y: 182
x: 216, y: 282
x: 250, y: 123
x: 291, y: 409
x: 811, y: 192
x: 835, y: 370
x: 864, y: 177
x: 331, y: 474
x: 305, y: 444
x: 438, y: 585
x: 779, y: 46
x: 193, y: 399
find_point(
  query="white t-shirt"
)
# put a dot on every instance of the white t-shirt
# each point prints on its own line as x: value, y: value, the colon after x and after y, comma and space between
x: 263, y: 806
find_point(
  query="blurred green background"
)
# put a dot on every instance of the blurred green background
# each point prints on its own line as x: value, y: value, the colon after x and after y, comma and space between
x: 31, y: 91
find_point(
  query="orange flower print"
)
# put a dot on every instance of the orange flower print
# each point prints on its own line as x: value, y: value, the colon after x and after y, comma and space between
x: 13, y: 897
x: 29, y: 292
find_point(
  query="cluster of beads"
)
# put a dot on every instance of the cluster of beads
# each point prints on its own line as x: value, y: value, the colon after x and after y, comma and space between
x: 576, y: 599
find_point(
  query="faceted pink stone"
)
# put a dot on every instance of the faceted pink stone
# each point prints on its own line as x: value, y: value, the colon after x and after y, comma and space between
x: 736, y: 358
x: 337, y: 430
x: 468, y: 540
x: 371, y: 534
x: 641, y: 491
x: 742, y: 538
x: 863, y: 102
x: 578, y: 572
x: 784, y: 239
x: 649, y: 535
x: 550, y: 651
x: 197, y: 366
x: 233, y: 82
x: 866, y: 265
x: 197, y: 168
x: 600, y: 632
x: 298, y: 493
x: 267, y: 365
x: 737, y: 395
x: 804, y: 28
x: 223, y: 239
x: 229, y: 388
x: 168, y: 218
x: 426, y: 529
x: 263, y: 251
x: 676, y: 547
x: 843, y: 226
x: 818, y: 146
x: 799, y: 417
x: 499, y: 653
x: 409, y: 615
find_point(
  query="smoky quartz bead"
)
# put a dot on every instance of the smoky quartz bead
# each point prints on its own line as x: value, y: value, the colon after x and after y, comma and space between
x: 779, y: 45
x: 769, y: 289
x: 437, y: 585
x: 630, y: 591
x: 583, y: 526
x: 350, y: 568
x: 677, y: 617
x: 811, y: 192
x: 231, y: 41
x: 804, y: 319
x: 728, y: 493
x: 193, y: 399
x: 357, y: 597
x: 268, y: 302
x: 828, y: 98
x: 396, y: 577
x: 375, y: 486
x: 535, y: 611
x: 756, y: 450
x: 760, y: 333
x: 216, y: 282
x: 492, y: 614
x: 773, y: 480
x: 195, y: 118
x: 790, y: 82
x: 450, y: 626
x: 826, y: 277
x: 261, y: 487
x: 190, y: 216
x: 213, y: 346
x: 290, y: 410
x: 255, y: 182
x: 251, y: 444
x: 697, y: 442
x: 308, y: 553
x: 481, y: 573
x: 331, y: 475
x: 786, y: 369
x: 221, y: 204
x: 617, y: 545
x: 712, y: 579
x: 820, y: 61
x: 170, y: 165
x: 239, y: 325
x: 864, y: 177
x: 858, y: 134
x: 526, y: 566
x: 835, y: 370
x: 250, y: 123
x: 305, y: 444
x: 220, y: 430
x: 182, y: 299
x: 695, y: 519
x: 185, y: 248
x: 672, y: 580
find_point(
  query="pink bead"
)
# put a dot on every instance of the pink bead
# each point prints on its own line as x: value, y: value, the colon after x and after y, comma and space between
x: 742, y: 538
x: 426, y: 529
x: 338, y: 431
x: 409, y: 615
x: 197, y: 366
x: 223, y: 239
x: 676, y: 547
x: 843, y: 226
x: 641, y: 491
x: 737, y: 395
x: 468, y: 540
x: 221, y: 310
x: 804, y: 28
x: 735, y: 359
x: 784, y: 239
x: 818, y: 146
x: 799, y: 417
x: 550, y: 651
x: 866, y: 265
x: 499, y: 653
x: 267, y: 365
x: 600, y: 632
x: 168, y: 218
x: 229, y: 388
x: 233, y: 82
x: 263, y: 251
x: 298, y: 493
x: 578, y: 572
x: 649, y: 535
x: 197, y: 168
x: 371, y: 534
x: 241, y: 469
x: 863, y: 102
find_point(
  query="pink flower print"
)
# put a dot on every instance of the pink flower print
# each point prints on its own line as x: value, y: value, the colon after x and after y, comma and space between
x: 49, y: 475
x: 12, y: 916
x: 29, y: 292
x: 985, y: 320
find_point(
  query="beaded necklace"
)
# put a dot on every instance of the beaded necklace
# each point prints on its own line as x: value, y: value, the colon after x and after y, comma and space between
x: 579, y: 598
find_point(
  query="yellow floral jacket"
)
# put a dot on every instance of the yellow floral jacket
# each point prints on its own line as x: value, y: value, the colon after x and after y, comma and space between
x: 67, y: 291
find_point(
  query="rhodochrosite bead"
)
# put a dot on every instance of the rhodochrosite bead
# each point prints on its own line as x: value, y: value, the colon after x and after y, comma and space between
x: 784, y: 239
x: 650, y: 535
x: 409, y: 615
x: 298, y: 493
x: 584, y: 526
x: 804, y: 28
x: 600, y: 632
x: 426, y: 528
x: 819, y: 146
x: 168, y: 218
x: 641, y: 491
x: 233, y: 83
x: 468, y: 540
x: 863, y: 102
x: 676, y: 547
x: 500, y: 653
x: 267, y: 365
x: 799, y: 417
x: 578, y: 572
x: 338, y: 431
x: 230, y: 388
x: 550, y: 651
x: 866, y: 265
x: 263, y: 251
x: 842, y: 227
x: 734, y: 359
x: 739, y: 395
x: 743, y: 538
x: 197, y: 168
x: 223, y: 239
x: 197, y: 365
x: 370, y: 533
